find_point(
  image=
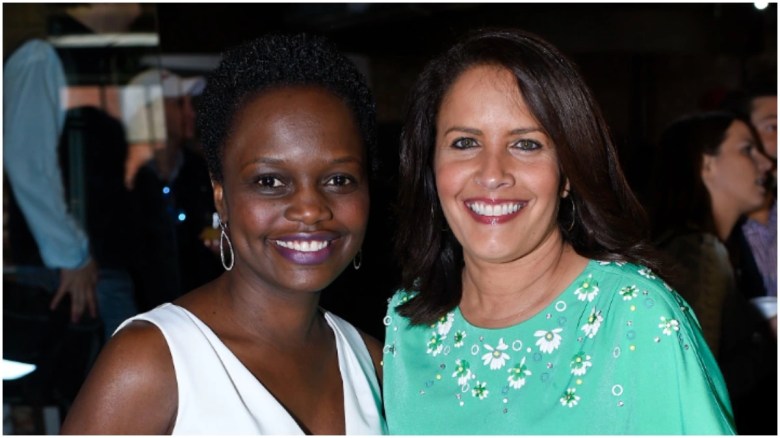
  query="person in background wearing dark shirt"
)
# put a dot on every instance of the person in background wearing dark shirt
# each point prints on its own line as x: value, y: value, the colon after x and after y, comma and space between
x: 172, y: 193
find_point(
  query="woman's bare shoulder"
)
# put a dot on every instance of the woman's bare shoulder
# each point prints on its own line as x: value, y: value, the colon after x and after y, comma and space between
x: 131, y: 389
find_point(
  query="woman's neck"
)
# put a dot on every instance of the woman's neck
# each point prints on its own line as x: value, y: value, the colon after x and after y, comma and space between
x: 284, y: 318
x: 501, y: 295
x: 725, y: 217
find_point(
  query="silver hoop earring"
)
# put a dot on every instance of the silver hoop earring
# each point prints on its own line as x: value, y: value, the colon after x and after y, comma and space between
x: 357, y: 262
x: 223, y: 236
x: 573, y: 213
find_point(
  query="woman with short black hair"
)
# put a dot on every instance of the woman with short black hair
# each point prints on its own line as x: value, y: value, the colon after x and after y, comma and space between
x: 287, y: 124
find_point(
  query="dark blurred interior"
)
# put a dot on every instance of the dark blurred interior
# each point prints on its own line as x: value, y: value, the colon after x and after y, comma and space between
x: 646, y: 63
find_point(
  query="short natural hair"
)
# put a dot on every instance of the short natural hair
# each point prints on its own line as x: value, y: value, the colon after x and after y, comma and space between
x: 609, y: 221
x: 271, y: 62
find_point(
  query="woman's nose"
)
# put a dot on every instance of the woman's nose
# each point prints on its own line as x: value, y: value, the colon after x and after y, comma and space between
x: 308, y: 206
x: 763, y: 163
x: 493, y: 173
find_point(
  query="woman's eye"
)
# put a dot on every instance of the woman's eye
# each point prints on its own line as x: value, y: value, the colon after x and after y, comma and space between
x: 464, y: 143
x: 750, y: 150
x: 269, y: 182
x: 527, y: 145
x: 340, y: 180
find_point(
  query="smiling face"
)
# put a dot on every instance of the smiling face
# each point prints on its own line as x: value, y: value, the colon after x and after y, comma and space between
x: 294, y: 189
x: 496, y: 170
x: 735, y: 176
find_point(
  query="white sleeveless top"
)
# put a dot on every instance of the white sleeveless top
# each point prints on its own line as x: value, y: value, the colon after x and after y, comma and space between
x: 219, y: 396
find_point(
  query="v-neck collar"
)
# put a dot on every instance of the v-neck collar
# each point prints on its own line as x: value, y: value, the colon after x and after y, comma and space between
x: 260, y: 398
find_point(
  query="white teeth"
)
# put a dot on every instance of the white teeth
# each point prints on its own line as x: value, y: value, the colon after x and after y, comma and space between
x: 303, y: 246
x: 483, y: 209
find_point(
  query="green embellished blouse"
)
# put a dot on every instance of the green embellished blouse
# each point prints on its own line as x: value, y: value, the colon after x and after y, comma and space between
x: 617, y: 352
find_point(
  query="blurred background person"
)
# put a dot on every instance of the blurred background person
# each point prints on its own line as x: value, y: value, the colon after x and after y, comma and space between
x: 172, y: 193
x: 753, y: 243
x: 61, y: 159
x: 709, y: 172
x: 67, y: 226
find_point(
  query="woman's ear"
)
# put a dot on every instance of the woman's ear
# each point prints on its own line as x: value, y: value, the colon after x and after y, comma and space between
x: 566, y: 188
x: 219, y: 200
x: 707, y: 166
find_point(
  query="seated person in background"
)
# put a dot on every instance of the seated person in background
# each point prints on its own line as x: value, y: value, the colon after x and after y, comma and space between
x: 288, y: 127
x: 709, y: 172
x: 529, y: 304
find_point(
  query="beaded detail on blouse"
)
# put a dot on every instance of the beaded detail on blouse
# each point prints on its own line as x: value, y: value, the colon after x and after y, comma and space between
x: 595, y: 347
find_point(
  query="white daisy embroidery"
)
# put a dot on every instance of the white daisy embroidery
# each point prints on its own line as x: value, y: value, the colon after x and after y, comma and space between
x: 591, y: 327
x: 495, y: 356
x: 462, y: 372
x: 629, y: 292
x: 459, y: 338
x: 580, y: 364
x: 645, y: 272
x: 607, y: 263
x: 480, y: 390
x: 444, y: 324
x: 588, y: 289
x: 669, y: 325
x: 517, y: 375
x: 435, y: 344
x: 569, y: 398
x: 548, y: 341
